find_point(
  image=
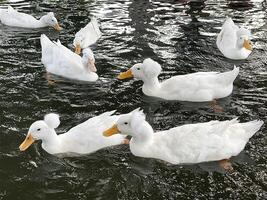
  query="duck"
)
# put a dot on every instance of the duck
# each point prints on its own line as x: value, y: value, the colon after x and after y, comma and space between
x: 233, y: 41
x: 84, y: 138
x: 11, y: 17
x: 185, y: 144
x: 61, y: 61
x: 194, y: 87
x: 87, y: 36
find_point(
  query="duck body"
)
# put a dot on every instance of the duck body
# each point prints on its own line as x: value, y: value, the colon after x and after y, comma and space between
x: 61, y: 61
x: 195, y: 87
x: 84, y: 138
x: 11, y: 17
x: 233, y: 42
x: 196, y: 143
x: 191, y: 143
x: 87, y: 36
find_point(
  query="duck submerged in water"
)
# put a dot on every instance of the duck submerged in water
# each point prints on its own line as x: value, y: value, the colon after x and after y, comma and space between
x: 84, y: 138
x: 87, y: 36
x: 234, y: 42
x: 190, y: 143
x: 11, y: 17
x: 194, y: 87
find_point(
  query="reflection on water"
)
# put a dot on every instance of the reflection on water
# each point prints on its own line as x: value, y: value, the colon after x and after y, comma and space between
x: 181, y: 36
x: 240, y: 5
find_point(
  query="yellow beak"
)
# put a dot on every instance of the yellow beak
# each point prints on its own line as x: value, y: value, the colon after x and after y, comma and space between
x: 26, y: 143
x: 127, y: 74
x: 247, y: 45
x: 78, y: 49
x: 57, y: 27
x: 111, y: 131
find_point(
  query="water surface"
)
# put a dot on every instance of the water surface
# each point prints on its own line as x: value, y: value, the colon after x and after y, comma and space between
x: 181, y: 36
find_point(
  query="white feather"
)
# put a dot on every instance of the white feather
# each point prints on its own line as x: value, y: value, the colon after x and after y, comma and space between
x: 84, y: 138
x: 61, y: 61
x: 11, y: 17
x: 88, y: 35
x: 52, y: 120
x: 190, y: 143
x: 229, y: 38
x: 151, y: 68
x: 194, y: 87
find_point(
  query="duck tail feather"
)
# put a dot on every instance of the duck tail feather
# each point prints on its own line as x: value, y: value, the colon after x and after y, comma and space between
x: 228, y: 77
x: 252, y: 127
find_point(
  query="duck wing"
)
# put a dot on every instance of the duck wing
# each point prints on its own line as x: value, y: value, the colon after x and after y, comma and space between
x: 88, y: 136
x: 200, y: 86
x: 60, y: 60
x: 202, y: 142
x: 227, y: 37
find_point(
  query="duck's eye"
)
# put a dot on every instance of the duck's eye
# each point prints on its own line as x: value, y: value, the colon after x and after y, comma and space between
x: 138, y: 68
x: 38, y: 129
x: 126, y: 123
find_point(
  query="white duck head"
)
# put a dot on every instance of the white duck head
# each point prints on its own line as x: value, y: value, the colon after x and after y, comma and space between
x: 88, y: 59
x: 50, y: 20
x: 133, y: 124
x: 243, y: 39
x: 145, y: 71
x: 41, y: 130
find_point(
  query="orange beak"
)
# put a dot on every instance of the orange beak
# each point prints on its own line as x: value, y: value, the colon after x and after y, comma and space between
x: 127, y: 74
x: 57, y: 27
x: 111, y: 131
x: 26, y: 143
x: 91, y: 65
x: 78, y: 49
x: 247, y: 45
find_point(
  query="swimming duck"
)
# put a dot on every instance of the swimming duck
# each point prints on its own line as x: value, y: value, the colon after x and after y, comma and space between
x: 87, y: 36
x: 195, y: 87
x: 11, y: 17
x: 84, y: 138
x: 61, y: 61
x: 233, y: 42
x: 191, y: 143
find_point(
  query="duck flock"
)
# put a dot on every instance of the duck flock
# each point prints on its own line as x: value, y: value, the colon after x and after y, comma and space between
x: 189, y: 143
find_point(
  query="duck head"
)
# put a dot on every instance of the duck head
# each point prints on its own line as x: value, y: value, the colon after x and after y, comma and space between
x: 88, y: 59
x: 149, y: 69
x: 50, y: 20
x: 243, y: 39
x: 127, y: 124
x: 40, y: 130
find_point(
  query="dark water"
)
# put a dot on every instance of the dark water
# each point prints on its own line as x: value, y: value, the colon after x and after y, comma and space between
x: 181, y: 36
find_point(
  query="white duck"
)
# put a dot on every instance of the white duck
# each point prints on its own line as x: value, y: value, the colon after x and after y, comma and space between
x: 84, y: 138
x: 233, y: 41
x: 87, y: 36
x: 191, y: 143
x: 59, y: 60
x: 11, y: 17
x: 195, y: 87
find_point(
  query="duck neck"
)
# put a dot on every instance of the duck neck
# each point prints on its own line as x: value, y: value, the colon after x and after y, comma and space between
x: 51, y: 144
x: 146, y: 135
x: 151, y: 85
x: 140, y: 143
